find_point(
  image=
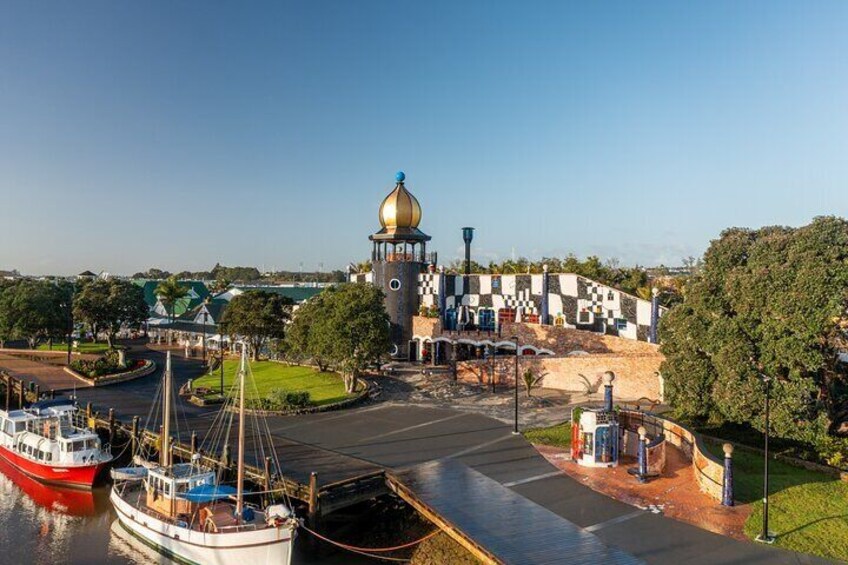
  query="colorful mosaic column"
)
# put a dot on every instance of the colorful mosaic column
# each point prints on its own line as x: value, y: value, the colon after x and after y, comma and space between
x: 442, y: 297
x: 609, y: 376
x: 655, y: 314
x: 643, y: 455
x: 727, y: 483
x: 545, y: 320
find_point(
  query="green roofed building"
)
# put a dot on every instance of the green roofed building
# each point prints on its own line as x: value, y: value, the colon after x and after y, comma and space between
x: 197, y: 294
x: 298, y: 294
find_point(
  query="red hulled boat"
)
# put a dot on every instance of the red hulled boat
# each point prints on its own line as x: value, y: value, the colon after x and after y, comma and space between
x: 46, y: 442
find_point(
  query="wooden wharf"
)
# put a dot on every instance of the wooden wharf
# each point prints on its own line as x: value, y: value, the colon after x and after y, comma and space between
x: 494, y: 523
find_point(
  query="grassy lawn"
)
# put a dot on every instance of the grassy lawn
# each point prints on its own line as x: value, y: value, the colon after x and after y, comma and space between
x: 558, y: 435
x: 808, y: 510
x: 323, y: 388
x: 85, y: 347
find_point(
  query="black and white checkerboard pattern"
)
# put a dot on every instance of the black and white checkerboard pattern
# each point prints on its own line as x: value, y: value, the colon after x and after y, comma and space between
x: 428, y: 284
x: 523, y: 301
x: 596, y: 296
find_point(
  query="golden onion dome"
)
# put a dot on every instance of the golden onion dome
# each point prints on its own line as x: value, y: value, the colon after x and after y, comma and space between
x: 400, y: 209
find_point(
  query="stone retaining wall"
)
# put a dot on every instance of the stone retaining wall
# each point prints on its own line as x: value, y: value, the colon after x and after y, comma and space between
x: 636, y: 377
x: 146, y: 369
x: 709, y: 469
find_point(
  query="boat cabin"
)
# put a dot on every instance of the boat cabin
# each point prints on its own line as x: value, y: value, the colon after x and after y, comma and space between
x: 46, y: 432
x: 169, y: 488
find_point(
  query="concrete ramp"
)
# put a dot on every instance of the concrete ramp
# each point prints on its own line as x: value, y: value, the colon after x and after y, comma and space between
x: 494, y: 523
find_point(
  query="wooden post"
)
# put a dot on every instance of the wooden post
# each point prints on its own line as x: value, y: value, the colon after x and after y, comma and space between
x: 88, y: 409
x: 111, y: 425
x: 37, y: 392
x: 134, y: 437
x: 21, y: 395
x: 52, y: 394
x: 225, y: 457
x: 8, y: 380
x: 267, y: 496
x: 193, y: 443
x: 313, y: 498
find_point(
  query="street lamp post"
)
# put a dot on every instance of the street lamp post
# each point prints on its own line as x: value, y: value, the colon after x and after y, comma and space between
x: 765, y: 536
x: 70, y: 328
x: 517, y: 354
x: 222, y: 357
x: 205, y: 315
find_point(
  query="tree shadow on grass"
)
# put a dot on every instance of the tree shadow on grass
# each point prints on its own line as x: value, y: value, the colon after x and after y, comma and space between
x: 812, y: 523
x: 748, y: 474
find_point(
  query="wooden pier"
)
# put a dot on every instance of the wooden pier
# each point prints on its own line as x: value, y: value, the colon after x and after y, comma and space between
x: 325, y: 481
x: 495, y: 524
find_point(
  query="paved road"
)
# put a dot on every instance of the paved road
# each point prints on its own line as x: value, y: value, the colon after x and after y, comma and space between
x: 396, y: 436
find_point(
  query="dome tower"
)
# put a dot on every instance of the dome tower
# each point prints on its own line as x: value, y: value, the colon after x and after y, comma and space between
x: 398, y: 256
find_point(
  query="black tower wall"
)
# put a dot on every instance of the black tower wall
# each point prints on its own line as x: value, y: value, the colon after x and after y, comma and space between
x: 401, y: 304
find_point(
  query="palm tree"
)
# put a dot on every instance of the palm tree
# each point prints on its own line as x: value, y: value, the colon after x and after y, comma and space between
x: 170, y: 291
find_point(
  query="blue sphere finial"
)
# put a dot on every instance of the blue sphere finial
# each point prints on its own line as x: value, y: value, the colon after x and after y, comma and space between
x: 400, y: 177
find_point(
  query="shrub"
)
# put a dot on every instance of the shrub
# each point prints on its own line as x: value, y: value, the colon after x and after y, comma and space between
x: 94, y: 368
x: 279, y: 399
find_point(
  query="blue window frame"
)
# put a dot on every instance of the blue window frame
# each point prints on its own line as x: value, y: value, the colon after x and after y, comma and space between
x: 450, y: 319
x: 486, y: 320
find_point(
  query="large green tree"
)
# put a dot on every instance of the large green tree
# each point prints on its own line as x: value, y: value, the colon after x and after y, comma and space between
x: 345, y: 327
x: 32, y: 310
x: 302, y: 343
x: 258, y: 316
x: 770, y: 301
x: 109, y: 305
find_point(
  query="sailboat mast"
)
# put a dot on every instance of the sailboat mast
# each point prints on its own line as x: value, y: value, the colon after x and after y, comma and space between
x: 240, y: 478
x: 165, y: 452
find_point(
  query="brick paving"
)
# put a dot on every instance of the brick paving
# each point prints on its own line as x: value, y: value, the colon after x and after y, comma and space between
x: 48, y: 375
x: 675, y: 493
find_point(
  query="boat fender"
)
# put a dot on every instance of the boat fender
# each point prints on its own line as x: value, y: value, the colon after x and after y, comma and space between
x: 277, y: 514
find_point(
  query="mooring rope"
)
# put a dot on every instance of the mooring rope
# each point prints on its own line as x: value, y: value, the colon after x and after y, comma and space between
x: 370, y: 551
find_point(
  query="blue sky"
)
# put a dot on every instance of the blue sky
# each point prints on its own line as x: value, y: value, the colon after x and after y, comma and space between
x: 138, y: 134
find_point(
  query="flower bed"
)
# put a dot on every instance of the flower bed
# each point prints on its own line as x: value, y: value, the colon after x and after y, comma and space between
x: 138, y: 368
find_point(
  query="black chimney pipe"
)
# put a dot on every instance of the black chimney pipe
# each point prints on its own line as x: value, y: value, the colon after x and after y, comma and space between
x: 467, y: 236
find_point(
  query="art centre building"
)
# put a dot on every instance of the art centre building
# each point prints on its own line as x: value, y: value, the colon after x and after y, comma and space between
x: 439, y: 316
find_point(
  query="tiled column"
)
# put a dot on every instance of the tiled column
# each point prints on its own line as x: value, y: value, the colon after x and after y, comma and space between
x: 655, y: 314
x: 545, y: 314
x: 727, y: 483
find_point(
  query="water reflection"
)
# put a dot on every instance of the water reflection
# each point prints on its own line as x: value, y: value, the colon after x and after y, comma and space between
x: 123, y: 544
x: 40, y: 524
x: 44, y: 524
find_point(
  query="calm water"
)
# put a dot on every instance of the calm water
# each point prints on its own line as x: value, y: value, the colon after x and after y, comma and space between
x: 41, y: 524
x: 45, y: 525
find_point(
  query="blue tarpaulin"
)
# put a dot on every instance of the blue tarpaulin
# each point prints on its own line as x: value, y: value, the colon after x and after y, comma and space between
x: 208, y: 493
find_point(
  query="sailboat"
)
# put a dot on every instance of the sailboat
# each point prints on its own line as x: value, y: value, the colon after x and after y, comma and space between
x: 184, y: 512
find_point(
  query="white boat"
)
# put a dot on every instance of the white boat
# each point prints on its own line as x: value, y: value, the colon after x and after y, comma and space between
x: 49, y: 442
x: 182, y: 511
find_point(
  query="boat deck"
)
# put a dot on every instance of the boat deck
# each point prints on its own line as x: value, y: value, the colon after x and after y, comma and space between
x: 495, y: 523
